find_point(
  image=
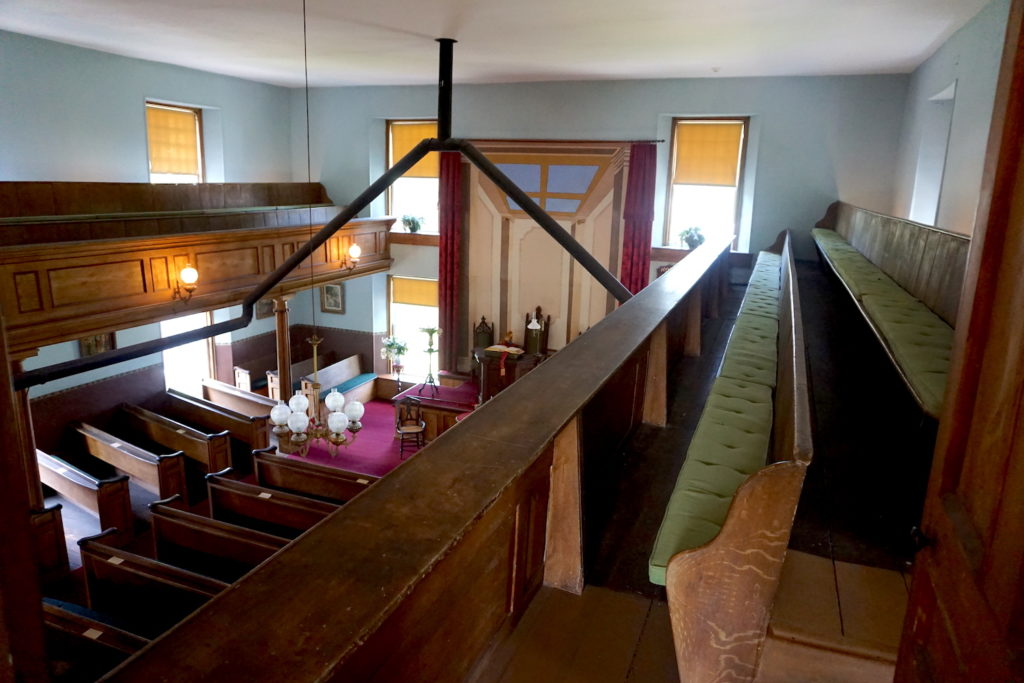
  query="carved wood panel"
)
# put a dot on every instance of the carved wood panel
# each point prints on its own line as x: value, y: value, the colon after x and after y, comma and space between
x: 53, y: 294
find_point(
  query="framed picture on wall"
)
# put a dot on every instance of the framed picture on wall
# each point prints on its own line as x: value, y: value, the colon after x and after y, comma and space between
x: 332, y: 298
x: 264, y: 308
x: 97, y: 343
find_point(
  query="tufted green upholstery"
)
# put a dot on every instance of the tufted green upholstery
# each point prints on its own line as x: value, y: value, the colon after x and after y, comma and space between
x: 919, y: 341
x: 756, y: 303
x: 749, y: 366
x: 729, y: 444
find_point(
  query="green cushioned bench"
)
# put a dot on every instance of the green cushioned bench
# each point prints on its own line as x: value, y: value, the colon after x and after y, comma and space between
x: 917, y: 340
x: 732, y: 438
x: 723, y: 538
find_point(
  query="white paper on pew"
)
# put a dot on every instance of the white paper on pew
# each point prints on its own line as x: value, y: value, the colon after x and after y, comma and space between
x: 362, y: 481
x: 115, y: 560
x: 180, y: 431
x: 116, y: 444
x: 93, y: 634
x: 62, y: 470
x: 265, y: 495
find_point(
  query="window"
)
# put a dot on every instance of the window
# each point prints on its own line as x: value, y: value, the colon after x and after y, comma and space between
x: 706, y: 177
x: 936, y: 121
x: 413, y: 308
x: 185, y: 366
x: 175, y: 143
x: 415, y: 193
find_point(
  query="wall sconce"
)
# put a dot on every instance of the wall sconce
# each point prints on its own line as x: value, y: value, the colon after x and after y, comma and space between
x: 351, y: 260
x: 186, y: 283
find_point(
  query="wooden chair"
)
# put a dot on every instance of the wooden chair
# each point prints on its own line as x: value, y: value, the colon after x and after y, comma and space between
x: 409, y: 424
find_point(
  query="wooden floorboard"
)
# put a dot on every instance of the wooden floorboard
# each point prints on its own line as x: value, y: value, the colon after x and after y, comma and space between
x: 655, y: 657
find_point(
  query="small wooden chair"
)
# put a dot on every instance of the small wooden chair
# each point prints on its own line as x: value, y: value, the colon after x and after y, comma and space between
x: 409, y: 424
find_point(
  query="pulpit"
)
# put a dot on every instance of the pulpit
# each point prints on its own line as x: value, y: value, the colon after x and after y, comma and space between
x: 497, y: 372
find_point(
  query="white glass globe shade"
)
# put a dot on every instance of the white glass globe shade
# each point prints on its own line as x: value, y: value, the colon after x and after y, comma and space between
x: 188, y: 275
x: 355, y: 411
x: 299, y: 403
x: 355, y: 251
x: 279, y: 414
x: 337, y: 422
x: 334, y: 401
x: 298, y: 422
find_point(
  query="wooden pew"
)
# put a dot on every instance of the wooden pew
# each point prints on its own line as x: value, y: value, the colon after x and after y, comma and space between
x: 257, y: 507
x: 721, y: 593
x: 108, y: 499
x: 308, y: 478
x: 300, y: 369
x: 253, y: 375
x: 81, y: 647
x: 208, y: 546
x: 48, y: 543
x: 162, y: 474
x: 149, y: 594
x: 347, y: 375
x: 253, y: 431
x: 211, y: 451
x: 233, y: 398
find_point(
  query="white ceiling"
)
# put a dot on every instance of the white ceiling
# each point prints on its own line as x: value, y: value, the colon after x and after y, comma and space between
x: 390, y: 42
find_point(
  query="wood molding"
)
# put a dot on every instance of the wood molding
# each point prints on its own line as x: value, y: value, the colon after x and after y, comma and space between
x: 418, y: 239
x: 670, y: 254
x: 54, y: 293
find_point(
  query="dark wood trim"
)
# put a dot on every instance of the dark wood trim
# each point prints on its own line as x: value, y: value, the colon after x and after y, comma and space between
x: 670, y: 254
x: 417, y: 239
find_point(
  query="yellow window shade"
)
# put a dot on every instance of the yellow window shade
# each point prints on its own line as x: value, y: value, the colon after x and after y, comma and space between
x: 173, y: 140
x: 707, y: 153
x: 406, y: 290
x: 405, y: 136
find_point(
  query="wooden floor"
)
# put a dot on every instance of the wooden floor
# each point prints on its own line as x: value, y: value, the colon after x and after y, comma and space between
x: 603, y: 636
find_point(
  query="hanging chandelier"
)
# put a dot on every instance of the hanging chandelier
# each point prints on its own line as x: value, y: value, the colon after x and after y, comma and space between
x: 300, y: 423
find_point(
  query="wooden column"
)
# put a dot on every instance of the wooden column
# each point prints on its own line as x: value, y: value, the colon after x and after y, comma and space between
x: 284, y: 348
x: 22, y: 654
x: 27, y: 447
x: 656, y: 385
x: 563, y: 562
x: 691, y: 336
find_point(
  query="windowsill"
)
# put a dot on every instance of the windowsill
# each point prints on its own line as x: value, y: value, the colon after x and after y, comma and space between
x: 419, y: 239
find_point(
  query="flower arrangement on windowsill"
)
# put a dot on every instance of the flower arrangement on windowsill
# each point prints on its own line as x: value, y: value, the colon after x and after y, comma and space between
x: 392, y: 349
x: 692, y: 237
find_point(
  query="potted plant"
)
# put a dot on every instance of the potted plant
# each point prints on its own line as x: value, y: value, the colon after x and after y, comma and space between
x: 692, y: 237
x: 412, y: 223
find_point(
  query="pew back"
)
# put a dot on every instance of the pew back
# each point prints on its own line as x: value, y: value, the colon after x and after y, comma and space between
x: 257, y: 507
x: 163, y: 475
x: 212, y: 451
x: 250, y: 430
x: 308, y: 478
x: 207, y: 546
x: 107, y: 499
x: 233, y: 398
x: 928, y: 262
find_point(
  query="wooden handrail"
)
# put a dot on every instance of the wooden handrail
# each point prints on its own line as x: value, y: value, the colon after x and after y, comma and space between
x: 379, y: 566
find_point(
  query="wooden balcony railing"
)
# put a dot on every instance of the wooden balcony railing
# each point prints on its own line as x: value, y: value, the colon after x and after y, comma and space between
x: 415, y: 578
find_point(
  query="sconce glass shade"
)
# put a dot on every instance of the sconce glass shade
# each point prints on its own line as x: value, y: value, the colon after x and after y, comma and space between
x: 355, y: 251
x: 279, y: 414
x: 337, y: 422
x: 298, y: 403
x: 298, y: 422
x: 334, y: 401
x: 188, y: 275
x: 354, y: 410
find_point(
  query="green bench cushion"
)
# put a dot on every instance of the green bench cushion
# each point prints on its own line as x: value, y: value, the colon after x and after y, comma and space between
x: 729, y: 444
x: 757, y: 303
x: 741, y: 364
x: 350, y: 384
x: 920, y: 341
x: 767, y: 258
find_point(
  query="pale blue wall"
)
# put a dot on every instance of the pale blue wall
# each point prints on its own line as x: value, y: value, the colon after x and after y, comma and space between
x: 365, y: 306
x: 65, y: 351
x: 971, y: 58
x: 817, y: 138
x: 68, y: 113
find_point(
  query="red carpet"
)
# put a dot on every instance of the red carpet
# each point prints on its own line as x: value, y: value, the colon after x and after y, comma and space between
x: 375, y: 450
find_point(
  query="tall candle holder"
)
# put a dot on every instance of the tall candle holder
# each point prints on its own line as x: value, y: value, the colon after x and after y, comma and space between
x: 430, y: 381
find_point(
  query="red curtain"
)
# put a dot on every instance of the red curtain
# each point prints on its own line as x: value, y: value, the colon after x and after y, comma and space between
x: 450, y: 218
x: 638, y: 216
